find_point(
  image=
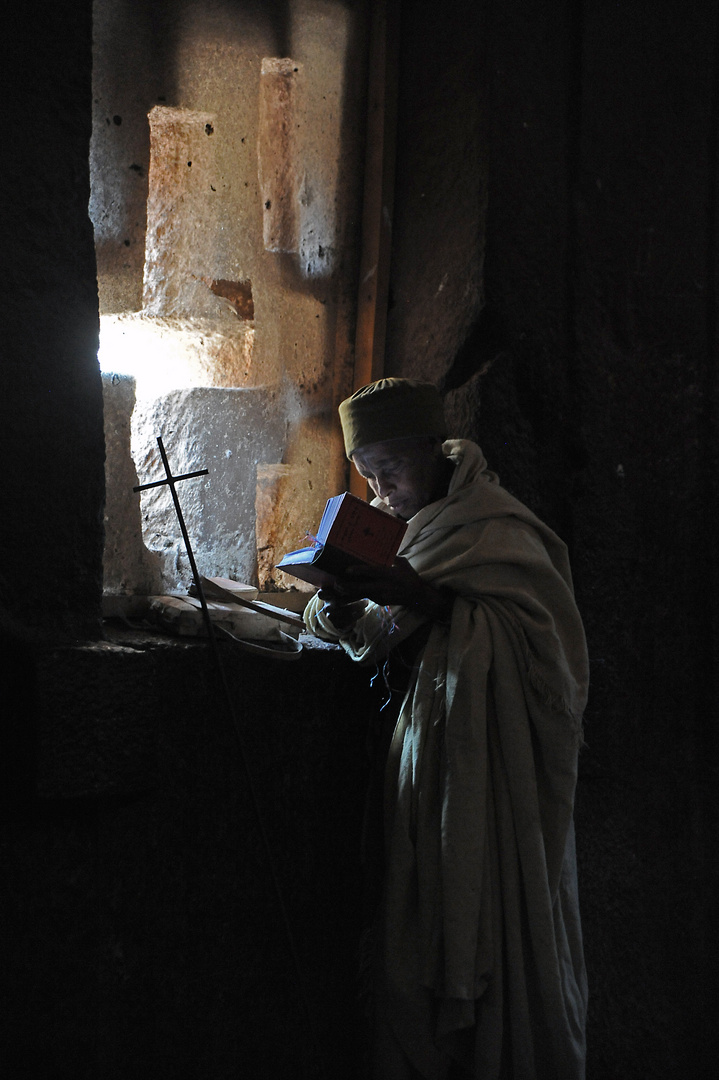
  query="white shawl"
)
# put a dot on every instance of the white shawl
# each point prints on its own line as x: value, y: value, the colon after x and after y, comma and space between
x: 482, y: 950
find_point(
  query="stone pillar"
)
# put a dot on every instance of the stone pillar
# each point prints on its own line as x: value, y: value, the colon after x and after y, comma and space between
x: 181, y: 209
x: 277, y: 152
x: 281, y: 506
x: 129, y: 568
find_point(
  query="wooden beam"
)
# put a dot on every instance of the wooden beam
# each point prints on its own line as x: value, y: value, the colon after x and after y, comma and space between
x: 378, y: 201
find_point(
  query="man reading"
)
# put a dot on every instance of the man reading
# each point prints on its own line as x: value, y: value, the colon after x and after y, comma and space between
x: 477, y: 958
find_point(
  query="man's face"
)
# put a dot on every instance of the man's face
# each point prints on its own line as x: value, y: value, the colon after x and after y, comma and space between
x: 406, y: 474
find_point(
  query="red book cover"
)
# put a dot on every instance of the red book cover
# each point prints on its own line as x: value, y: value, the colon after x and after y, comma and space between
x: 351, y: 531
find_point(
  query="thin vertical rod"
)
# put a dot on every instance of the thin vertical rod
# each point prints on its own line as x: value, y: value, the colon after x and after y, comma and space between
x: 188, y: 545
x: 245, y: 762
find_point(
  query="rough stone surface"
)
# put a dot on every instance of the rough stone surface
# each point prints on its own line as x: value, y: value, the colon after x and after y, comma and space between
x: 129, y: 568
x: 172, y: 354
x: 227, y: 432
x: 125, y: 86
x: 436, y: 284
x: 198, y: 58
x: 196, y: 65
x: 299, y: 173
x: 279, y: 166
x: 277, y: 518
x: 182, y: 213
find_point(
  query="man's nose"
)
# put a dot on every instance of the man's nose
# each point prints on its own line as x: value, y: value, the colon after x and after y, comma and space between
x: 384, y: 487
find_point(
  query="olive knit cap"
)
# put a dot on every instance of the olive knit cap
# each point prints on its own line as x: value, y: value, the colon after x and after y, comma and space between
x: 391, y: 409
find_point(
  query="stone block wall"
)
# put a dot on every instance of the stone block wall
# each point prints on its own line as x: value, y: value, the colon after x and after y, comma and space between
x: 229, y: 433
x: 198, y: 156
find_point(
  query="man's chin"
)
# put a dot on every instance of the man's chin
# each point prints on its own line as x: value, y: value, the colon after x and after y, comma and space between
x: 404, y: 511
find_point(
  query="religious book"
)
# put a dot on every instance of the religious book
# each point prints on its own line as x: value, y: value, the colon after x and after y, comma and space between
x: 351, y: 532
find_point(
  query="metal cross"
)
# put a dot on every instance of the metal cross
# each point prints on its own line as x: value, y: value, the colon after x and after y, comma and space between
x: 171, y: 480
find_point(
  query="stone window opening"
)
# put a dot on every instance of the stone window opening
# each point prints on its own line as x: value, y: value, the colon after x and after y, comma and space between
x: 220, y: 199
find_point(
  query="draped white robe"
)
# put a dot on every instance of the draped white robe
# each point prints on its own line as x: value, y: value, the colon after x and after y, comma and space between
x: 481, y: 945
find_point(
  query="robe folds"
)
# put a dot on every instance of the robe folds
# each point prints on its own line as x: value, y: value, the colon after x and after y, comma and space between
x: 481, y: 958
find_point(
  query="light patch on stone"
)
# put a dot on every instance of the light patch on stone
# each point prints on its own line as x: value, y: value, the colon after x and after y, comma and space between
x: 229, y: 432
x: 172, y: 354
x: 183, y: 215
x: 278, y: 524
x: 277, y: 153
x: 129, y: 568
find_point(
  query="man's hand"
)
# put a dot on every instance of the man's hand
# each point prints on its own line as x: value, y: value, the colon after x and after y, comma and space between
x: 398, y: 586
x: 343, y: 614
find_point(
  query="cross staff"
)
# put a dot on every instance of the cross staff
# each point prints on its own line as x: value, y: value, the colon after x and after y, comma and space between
x: 171, y: 480
x: 218, y: 592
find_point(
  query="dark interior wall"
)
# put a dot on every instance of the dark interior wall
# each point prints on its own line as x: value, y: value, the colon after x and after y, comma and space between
x: 52, y: 437
x: 645, y: 301
x: 436, y: 288
x: 142, y: 934
x: 590, y: 380
x: 601, y: 261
